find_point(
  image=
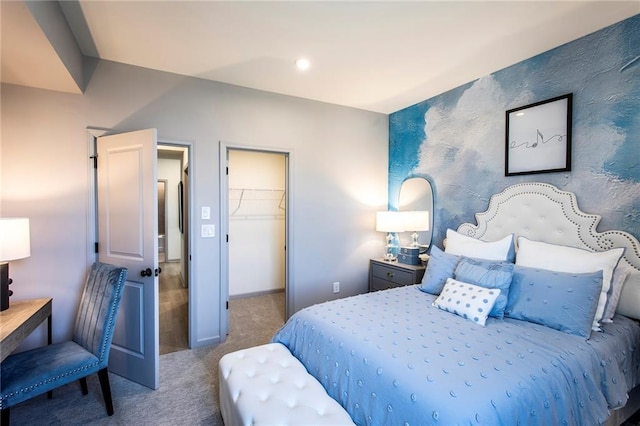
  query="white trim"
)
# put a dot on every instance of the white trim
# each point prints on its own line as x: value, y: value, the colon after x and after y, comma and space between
x: 191, y: 260
x: 92, y: 222
x: 93, y: 133
x: 224, y: 228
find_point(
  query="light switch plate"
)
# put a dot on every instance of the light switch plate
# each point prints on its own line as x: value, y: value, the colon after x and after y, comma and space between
x: 206, y: 212
x: 208, y: 231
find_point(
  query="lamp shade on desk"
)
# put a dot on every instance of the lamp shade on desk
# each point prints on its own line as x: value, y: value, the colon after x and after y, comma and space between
x: 15, y: 243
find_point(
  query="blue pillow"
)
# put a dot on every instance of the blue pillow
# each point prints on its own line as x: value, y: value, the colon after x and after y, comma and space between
x: 488, y: 274
x: 441, y: 266
x: 561, y: 300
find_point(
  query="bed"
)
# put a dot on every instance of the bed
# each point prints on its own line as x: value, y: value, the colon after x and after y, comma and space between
x: 391, y: 357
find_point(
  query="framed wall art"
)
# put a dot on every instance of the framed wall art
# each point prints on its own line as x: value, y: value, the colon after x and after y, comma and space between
x: 538, y: 137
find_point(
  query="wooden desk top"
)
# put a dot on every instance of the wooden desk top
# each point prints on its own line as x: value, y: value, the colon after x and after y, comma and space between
x: 17, y: 322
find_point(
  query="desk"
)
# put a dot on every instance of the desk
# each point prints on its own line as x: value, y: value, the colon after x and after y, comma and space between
x: 17, y: 322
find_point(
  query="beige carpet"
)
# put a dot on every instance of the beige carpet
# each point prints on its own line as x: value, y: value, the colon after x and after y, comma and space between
x: 188, y: 393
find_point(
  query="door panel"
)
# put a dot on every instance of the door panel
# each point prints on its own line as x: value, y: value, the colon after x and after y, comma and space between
x: 127, y: 236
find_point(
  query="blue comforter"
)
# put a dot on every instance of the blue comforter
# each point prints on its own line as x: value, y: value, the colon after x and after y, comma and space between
x: 390, y: 358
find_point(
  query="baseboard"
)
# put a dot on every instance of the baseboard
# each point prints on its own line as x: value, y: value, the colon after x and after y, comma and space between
x: 256, y: 293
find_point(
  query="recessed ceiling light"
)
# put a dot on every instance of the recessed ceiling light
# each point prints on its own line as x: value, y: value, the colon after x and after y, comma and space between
x: 302, y: 63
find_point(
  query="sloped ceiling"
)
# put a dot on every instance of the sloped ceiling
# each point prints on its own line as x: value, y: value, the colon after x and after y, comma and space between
x: 379, y: 56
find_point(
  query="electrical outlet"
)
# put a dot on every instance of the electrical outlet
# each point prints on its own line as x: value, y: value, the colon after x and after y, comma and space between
x: 336, y: 287
x: 208, y: 231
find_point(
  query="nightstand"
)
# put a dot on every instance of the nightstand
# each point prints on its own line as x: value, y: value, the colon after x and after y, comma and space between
x: 384, y: 275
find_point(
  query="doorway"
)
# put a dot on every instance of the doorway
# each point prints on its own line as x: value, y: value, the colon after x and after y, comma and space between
x: 255, y: 217
x: 135, y: 347
x: 173, y: 284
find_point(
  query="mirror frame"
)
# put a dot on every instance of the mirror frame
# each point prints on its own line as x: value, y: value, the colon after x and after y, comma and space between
x: 425, y: 237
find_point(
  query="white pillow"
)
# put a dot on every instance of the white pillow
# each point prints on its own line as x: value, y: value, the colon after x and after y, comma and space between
x: 462, y: 245
x: 467, y: 300
x: 613, y: 297
x: 535, y: 254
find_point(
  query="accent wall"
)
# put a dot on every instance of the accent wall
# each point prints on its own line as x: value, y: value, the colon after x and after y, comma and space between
x: 457, y: 139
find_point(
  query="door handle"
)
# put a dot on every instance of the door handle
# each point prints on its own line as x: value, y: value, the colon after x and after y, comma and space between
x: 146, y: 272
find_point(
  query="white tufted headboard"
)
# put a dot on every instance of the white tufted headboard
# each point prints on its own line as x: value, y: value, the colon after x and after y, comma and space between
x: 542, y: 212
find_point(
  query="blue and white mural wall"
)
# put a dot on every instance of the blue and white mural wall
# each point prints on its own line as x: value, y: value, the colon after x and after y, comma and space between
x: 457, y: 139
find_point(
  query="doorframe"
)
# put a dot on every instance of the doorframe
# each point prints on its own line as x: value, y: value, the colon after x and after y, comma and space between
x: 224, y: 228
x: 165, y: 183
x: 93, y: 133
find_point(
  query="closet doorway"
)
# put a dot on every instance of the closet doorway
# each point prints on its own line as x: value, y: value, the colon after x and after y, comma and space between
x: 173, y: 243
x: 256, y: 225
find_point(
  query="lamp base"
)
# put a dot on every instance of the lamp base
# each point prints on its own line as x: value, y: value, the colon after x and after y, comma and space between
x: 4, y: 286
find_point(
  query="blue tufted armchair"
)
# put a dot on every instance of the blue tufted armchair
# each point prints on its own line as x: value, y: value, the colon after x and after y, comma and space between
x: 32, y: 373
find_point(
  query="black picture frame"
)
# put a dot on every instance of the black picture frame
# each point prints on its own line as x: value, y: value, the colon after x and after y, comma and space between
x: 538, y: 137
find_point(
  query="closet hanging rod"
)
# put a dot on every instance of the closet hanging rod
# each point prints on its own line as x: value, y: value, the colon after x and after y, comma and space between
x: 256, y: 189
x: 241, y: 198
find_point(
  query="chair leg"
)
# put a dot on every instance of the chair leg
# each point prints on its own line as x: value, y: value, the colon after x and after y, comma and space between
x: 103, y: 375
x: 83, y: 386
x: 5, y: 416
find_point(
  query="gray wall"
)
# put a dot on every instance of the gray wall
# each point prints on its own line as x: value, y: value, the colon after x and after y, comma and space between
x: 338, y: 179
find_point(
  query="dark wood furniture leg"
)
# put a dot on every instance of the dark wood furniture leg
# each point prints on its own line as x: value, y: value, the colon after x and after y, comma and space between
x: 49, y: 341
x: 103, y: 375
x: 83, y: 386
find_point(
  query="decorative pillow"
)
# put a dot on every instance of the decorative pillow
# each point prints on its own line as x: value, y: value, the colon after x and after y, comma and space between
x: 613, y: 296
x: 463, y: 245
x: 467, y: 300
x: 559, y: 300
x: 558, y: 258
x: 488, y: 274
x: 440, y: 267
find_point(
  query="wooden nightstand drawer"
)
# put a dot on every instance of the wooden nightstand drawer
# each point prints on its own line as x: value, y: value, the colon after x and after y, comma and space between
x: 390, y: 273
x: 384, y: 275
x: 380, y: 284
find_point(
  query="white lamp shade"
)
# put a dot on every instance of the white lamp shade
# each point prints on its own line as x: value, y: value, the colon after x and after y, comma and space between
x: 14, y: 239
x: 389, y: 222
x: 416, y: 220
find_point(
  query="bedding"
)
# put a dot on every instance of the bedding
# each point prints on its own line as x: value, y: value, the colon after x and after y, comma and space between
x: 440, y: 267
x: 488, y: 274
x: 563, y: 301
x: 469, y: 301
x: 392, y: 358
x: 462, y: 245
x: 570, y: 259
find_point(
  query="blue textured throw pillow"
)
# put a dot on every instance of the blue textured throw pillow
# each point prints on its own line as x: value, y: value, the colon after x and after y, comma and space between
x: 440, y: 267
x: 488, y: 274
x: 561, y: 300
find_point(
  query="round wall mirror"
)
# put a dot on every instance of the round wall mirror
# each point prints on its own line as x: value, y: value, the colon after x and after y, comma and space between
x: 416, y: 195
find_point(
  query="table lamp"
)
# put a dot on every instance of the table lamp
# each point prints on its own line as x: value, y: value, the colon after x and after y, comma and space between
x: 14, y: 244
x: 415, y: 221
x: 390, y: 222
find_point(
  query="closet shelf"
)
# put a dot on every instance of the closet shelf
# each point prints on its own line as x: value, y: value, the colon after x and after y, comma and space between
x: 256, y: 203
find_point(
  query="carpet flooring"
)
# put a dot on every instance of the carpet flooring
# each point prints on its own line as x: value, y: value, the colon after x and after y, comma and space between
x: 188, y: 393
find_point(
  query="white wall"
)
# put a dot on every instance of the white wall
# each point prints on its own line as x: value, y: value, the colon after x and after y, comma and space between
x: 256, y: 223
x: 169, y: 170
x: 339, y: 179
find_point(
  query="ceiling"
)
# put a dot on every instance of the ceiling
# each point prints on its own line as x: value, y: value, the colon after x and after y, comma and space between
x: 380, y: 55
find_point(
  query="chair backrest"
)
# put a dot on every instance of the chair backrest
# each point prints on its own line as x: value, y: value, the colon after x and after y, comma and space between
x: 99, y: 306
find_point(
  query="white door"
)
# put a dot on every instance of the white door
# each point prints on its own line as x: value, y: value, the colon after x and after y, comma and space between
x: 127, y: 236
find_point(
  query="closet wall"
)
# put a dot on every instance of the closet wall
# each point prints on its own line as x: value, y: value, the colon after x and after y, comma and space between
x: 256, y: 222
